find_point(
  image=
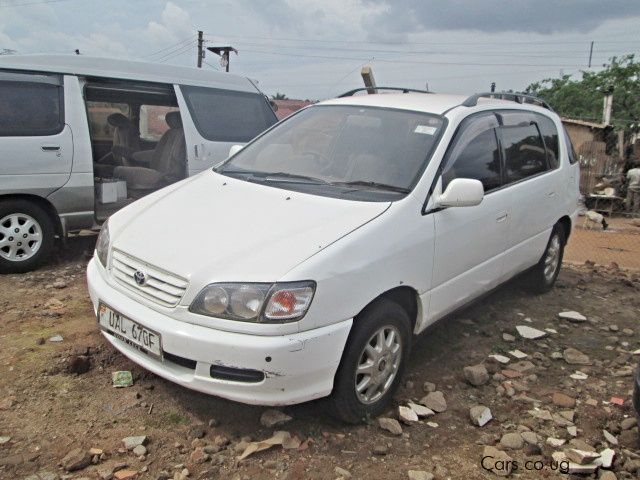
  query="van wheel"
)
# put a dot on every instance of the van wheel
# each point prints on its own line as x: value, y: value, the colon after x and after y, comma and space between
x: 26, y: 236
x: 373, y: 363
x: 543, y: 276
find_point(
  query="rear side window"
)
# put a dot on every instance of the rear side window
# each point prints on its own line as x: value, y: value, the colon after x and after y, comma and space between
x: 30, y: 104
x: 226, y: 115
x: 550, y: 136
x: 524, y: 150
x: 474, y: 153
x: 573, y: 157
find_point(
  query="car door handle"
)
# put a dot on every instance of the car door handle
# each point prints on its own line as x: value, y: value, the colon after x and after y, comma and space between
x: 50, y: 148
x: 502, y: 217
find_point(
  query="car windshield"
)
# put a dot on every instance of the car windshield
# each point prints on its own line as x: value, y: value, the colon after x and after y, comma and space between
x: 362, y: 153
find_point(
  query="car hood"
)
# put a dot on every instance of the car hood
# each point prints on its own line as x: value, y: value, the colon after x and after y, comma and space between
x: 216, y: 228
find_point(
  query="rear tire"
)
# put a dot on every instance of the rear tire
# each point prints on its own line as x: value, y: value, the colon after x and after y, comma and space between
x: 543, y: 276
x: 373, y: 362
x: 26, y: 236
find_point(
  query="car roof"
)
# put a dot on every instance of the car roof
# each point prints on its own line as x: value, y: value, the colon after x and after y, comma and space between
x: 126, y: 70
x: 435, y: 103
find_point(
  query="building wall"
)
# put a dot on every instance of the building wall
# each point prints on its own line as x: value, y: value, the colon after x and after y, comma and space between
x: 580, y: 134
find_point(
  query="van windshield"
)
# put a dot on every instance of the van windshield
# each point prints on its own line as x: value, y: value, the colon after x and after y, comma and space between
x: 364, y: 153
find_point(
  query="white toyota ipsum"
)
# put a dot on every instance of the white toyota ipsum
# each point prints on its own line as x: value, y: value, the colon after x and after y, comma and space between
x: 304, y: 265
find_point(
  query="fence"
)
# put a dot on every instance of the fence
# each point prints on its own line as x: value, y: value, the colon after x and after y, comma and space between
x: 603, y: 190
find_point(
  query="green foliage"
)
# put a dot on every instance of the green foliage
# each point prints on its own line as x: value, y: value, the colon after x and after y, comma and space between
x: 583, y: 99
x: 279, y: 96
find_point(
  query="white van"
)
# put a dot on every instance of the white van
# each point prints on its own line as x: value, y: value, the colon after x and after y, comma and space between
x: 303, y: 265
x: 81, y: 137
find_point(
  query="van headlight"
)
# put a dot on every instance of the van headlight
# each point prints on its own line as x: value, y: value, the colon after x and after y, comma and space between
x: 255, y: 302
x: 102, y: 244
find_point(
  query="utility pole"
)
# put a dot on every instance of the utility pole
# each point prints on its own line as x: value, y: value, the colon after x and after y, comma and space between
x: 200, y: 49
x: 590, y: 53
x: 607, y: 105
x: 367, y: 78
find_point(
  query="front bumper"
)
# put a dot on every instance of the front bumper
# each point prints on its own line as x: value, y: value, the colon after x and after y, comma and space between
x: 297, y: 367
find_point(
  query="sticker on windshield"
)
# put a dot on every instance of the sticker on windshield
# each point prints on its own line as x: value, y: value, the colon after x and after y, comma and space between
x: 426, y: 130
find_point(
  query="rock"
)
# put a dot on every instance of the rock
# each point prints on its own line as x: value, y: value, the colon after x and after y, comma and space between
x: 428, y: 387
x: 341, y: 472
x: 530, y: 437
x: 391, y: 425
x: 76, y: 459
x: 380, y: 449
x: 628, y: 423
x: 563, y: 400
x: 476, y: 375
x: 555, y: 442
x: 581, y: 445
x: 507, y: 337
x: 632, y: 465
x: 197, y: 431
x: 607, y: 476
x: 435, y: 401
x: 610, y: 438
x: 480, y: 415
x: 530, y: 333
x: 512, y: 441
x: 581, y: 457
x: 522, y: 366
x: 59, y: 283
x: 406, y: 415
x: 420, y: 475
x: 499, y: 358
x: 575, y: 357
x: 517, y: 354
x: 125, y: 474
x: 56, y: 338
x: 573, y: 316
x: 576, y: 468
x: 132, y: 442
x: 199, y: 456
x: 140, y: 450
x: 497, y: 461
x: 271, y: 418
x: 421, y: 410
x: 53, y: 304
x: 572, y: 430
x: 4, y: 440
x: 606, y: 457
x: 541, y: 414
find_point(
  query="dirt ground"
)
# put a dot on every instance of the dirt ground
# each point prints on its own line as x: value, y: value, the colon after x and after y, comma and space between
x: 46, y: 411
x: 620, y: 243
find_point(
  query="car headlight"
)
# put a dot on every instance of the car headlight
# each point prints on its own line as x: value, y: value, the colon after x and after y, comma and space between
x: 102, y: 244
x: 255, y: 302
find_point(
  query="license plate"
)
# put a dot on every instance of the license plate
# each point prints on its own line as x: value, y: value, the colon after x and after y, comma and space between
x: 129, y: 331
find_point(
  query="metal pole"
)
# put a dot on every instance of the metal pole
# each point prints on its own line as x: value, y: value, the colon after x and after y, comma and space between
x: 590, y: 53
x: 200, y: 49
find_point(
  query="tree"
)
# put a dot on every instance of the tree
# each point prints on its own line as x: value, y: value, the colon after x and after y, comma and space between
x: 583, y: 99
x: 279, y: 96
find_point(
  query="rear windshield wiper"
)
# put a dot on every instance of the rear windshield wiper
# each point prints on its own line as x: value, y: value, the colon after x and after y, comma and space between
x: 375, y: 185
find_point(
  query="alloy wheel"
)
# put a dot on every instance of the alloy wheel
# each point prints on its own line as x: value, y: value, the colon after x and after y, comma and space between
x: 20, y: 237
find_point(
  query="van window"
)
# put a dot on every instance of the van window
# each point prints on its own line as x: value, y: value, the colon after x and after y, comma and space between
x: 523, y: 148
x: 571, y: 152
x: 474, y: 153
x: 30, y: 105
x: 227, y: 115
x: 550, y: 135
x: 152, y: 123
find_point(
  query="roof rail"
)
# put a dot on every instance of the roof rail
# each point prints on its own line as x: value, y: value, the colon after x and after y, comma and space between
x: 472, y: 101
x: 350, y: 93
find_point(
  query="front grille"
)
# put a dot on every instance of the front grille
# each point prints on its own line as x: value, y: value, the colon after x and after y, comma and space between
x: 160, y: 286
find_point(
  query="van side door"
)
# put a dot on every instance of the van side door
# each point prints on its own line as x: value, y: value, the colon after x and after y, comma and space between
x: 215, y: 119
x: 470, y: 241
x: 36, y: 145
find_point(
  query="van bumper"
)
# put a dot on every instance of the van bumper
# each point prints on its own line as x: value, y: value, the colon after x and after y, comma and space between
x: 294, y: 368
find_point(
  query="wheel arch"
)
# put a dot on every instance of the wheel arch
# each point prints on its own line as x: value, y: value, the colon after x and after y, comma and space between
x: 565, y: 223
x: 43, y: 203
x: 405, y: 296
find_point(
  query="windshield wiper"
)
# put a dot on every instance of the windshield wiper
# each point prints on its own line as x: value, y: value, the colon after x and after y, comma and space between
x: 289, y: 178
x: 374, y: 185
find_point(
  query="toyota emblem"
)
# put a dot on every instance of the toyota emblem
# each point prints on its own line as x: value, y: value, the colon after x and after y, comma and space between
x: 140, y: 277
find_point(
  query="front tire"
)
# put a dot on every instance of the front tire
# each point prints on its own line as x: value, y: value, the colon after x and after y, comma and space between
x: 543, y: 276
x: 26, y: 236
x: 373, y: 363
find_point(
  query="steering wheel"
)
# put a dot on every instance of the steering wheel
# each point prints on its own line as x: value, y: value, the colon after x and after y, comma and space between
x: 320, y: 159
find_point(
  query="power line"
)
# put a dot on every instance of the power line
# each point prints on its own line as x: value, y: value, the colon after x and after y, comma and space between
x: 177, y: 44
x: 176, y: 53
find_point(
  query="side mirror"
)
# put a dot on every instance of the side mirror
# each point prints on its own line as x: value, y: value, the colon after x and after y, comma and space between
x: 235, y: 149
x: 462, y: 192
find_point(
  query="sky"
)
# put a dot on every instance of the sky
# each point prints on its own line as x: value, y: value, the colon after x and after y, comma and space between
x: 314, y: 49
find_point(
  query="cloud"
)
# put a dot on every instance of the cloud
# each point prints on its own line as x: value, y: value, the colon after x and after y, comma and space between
x: 400, y: 17
x: 174, y: 24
